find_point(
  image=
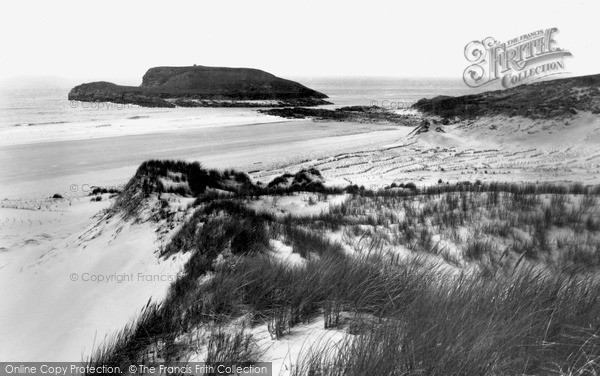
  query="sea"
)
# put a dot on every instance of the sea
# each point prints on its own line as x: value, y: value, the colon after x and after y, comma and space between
x: 44, y: 101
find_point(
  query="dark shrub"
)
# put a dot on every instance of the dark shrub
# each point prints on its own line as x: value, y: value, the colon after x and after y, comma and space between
x: 411, y: 186
x: 352, y: 189
x: 251, y: 237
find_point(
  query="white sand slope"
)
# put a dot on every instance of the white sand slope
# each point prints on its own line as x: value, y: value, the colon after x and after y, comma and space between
x: 285, y: 352
x: 298, y: 204
x: 56, y: 293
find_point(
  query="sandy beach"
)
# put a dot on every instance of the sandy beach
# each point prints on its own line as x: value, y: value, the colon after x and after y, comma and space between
x: 371, y: 154
x: 41, y: 168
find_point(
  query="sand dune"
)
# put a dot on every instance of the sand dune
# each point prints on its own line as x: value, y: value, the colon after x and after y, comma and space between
x: 48, y: 316
x: 59, y: 299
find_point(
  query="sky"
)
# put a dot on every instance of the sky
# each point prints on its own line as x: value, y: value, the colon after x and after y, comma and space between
x: 119, y: 40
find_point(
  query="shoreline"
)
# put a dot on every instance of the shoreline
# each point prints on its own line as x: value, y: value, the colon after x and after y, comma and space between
x: 12, y: 135
x: 45, y: 168
x: 361, y: 153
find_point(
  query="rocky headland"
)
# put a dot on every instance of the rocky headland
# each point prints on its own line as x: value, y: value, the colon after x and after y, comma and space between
x: 201, y: 86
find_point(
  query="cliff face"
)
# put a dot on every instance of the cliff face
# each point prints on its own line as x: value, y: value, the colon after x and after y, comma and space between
x: 546, y: 99
x: 200, y: 86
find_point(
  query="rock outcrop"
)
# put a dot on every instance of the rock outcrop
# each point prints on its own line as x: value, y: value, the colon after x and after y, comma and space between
x: 200, y: 86
x: 357, y: 114
x: 548, y: 99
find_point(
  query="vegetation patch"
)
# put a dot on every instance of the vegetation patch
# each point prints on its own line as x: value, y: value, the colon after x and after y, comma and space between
x: 463, y: 279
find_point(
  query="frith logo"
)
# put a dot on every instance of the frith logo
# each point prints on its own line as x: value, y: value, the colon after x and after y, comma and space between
x: 518, y: 61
